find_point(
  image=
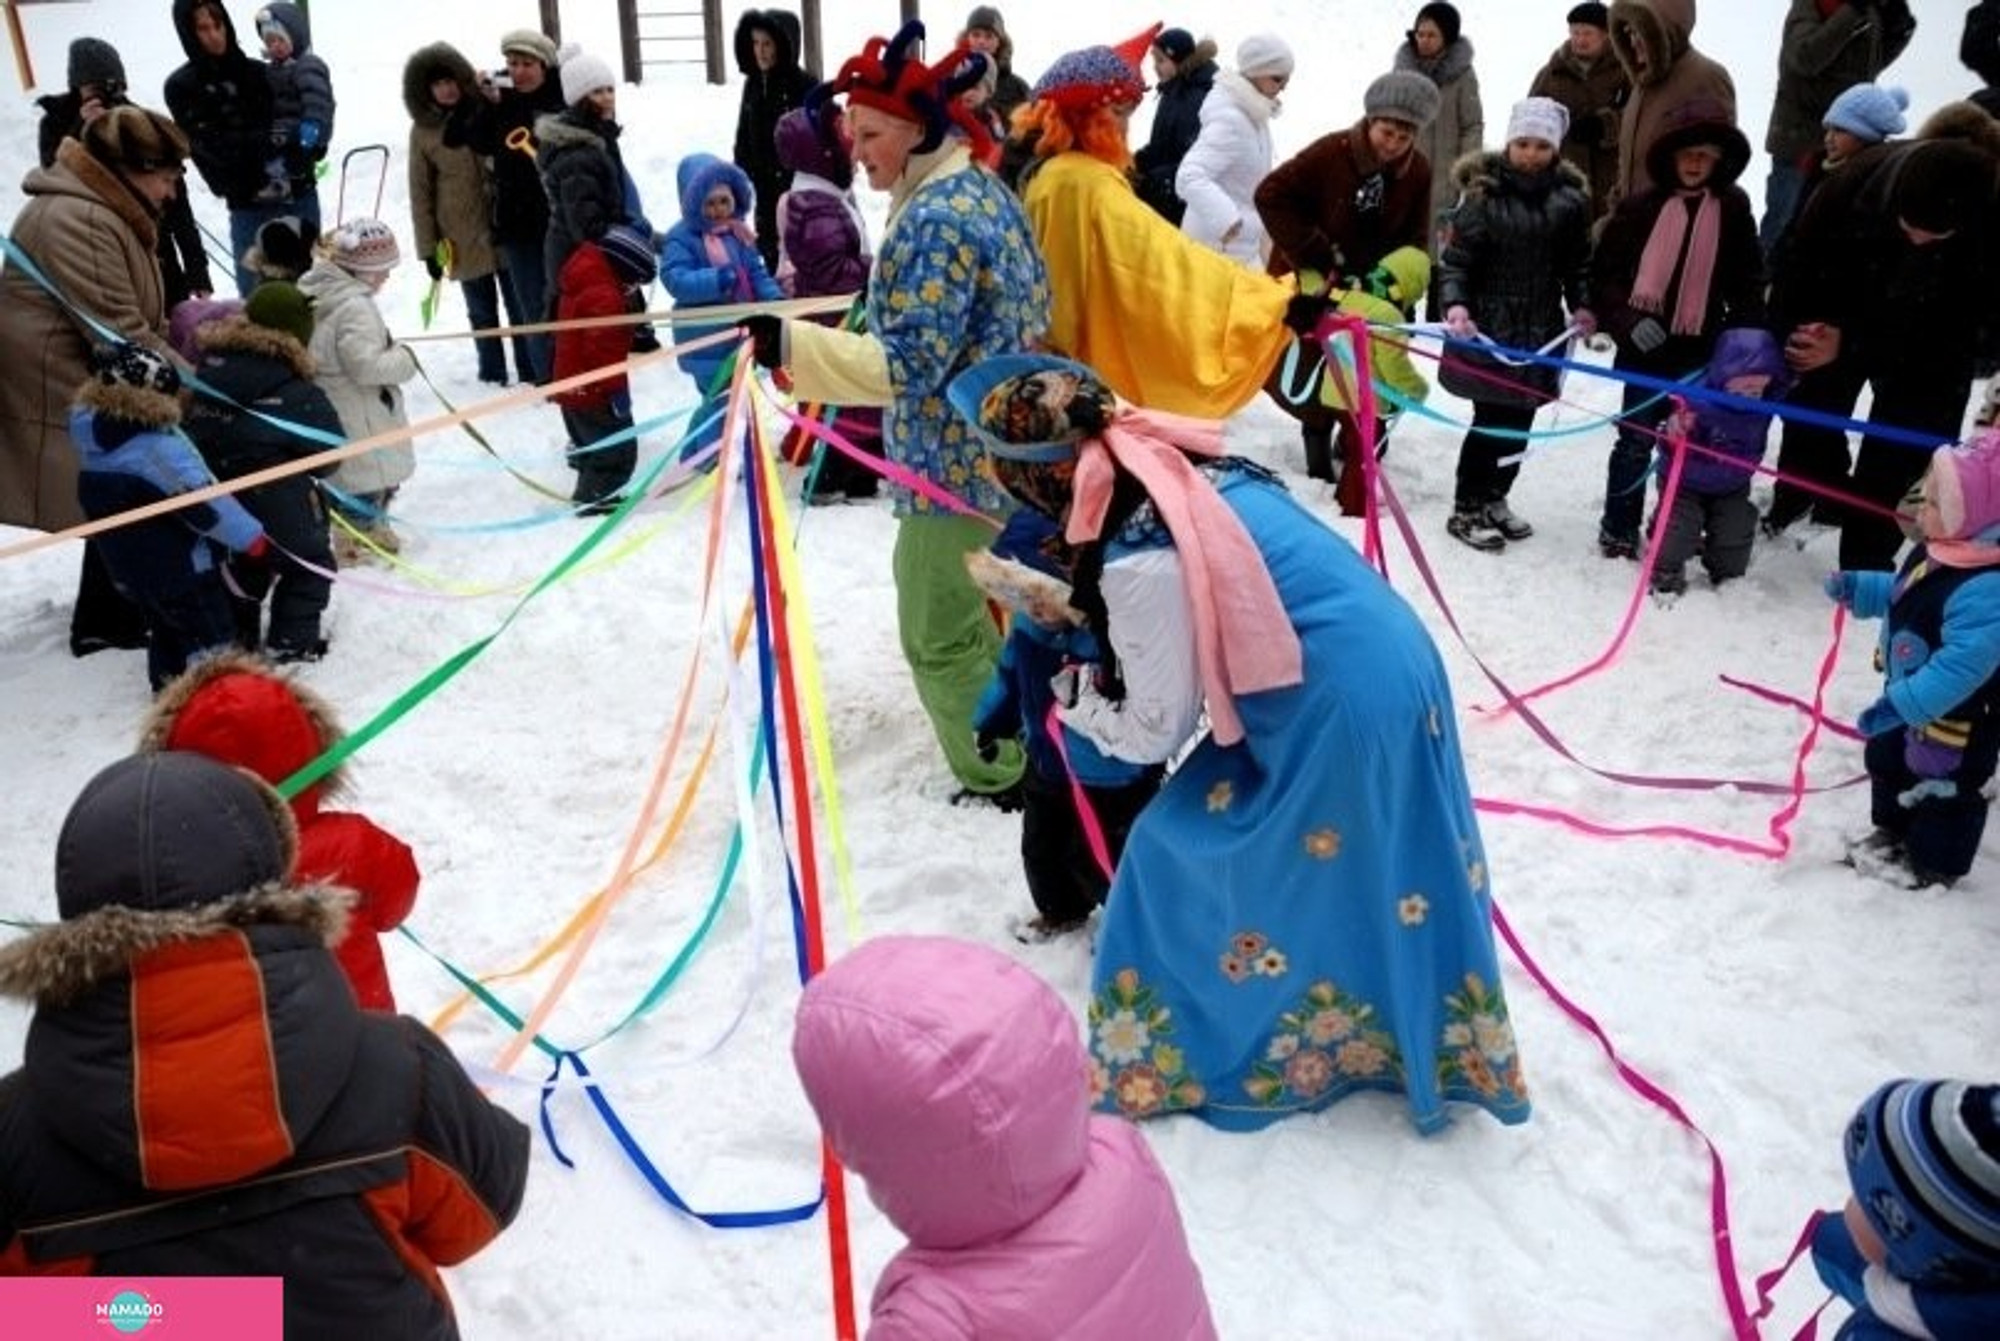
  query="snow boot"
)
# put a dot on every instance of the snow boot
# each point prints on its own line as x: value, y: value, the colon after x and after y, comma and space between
x: 1470, y: 523
x: 1502, y: 519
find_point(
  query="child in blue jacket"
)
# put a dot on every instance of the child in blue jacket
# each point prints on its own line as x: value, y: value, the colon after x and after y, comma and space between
x: 126, y: 425
x: 1933, y: 736
x: 1712, y: 514
x: 1064, y: 878
x: 710, y: 259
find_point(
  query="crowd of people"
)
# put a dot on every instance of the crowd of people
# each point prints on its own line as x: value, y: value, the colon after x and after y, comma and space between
x: 1195, y: 776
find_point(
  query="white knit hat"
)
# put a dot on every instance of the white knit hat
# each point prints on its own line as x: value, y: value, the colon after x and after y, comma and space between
x: 364, y: 247
x: 583, y: 74
x: 1542, y: 119
x: 1263, y: 54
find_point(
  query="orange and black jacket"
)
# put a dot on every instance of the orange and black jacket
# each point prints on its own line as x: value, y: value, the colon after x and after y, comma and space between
x: 201, y: 1095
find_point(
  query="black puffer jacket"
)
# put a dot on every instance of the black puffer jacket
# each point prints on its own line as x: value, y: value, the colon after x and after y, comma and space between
x: 520, y: 209
x: 1176, y: 123
x: 767, y: 96
x: 584, y: 178
x: 1515, y: 252
x: 267, y: 372
x: 280, y: 1130
x: 223, y: 105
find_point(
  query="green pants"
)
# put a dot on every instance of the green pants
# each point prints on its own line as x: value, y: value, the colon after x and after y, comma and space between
x: 949, y: 640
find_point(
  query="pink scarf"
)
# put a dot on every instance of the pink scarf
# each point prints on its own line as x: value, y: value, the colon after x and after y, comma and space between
x: 1663, y: 252
x: 1244, y: 640
x: 718, y: 254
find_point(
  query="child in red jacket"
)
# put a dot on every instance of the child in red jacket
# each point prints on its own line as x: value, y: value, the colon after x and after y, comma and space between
x: 240, y: 710
x: 600, y: 279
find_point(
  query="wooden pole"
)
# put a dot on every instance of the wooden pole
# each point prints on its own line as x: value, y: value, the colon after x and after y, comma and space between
x: 813, y: 54
x: 24, y: 69
x: 628, y: 40
x: 910, y: 10
x: 711, y: 39
x: 552, y: 20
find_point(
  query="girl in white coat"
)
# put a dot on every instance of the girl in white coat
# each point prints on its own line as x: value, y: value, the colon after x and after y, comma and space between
x: 1219, y: 176
x: 362, y: 370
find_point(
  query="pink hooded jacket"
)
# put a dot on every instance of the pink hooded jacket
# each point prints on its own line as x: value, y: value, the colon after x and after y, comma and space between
x: 953, y: 1081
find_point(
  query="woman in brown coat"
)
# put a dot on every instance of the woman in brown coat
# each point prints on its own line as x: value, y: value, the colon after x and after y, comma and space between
x: 90, y: 227
x: 451, y: 196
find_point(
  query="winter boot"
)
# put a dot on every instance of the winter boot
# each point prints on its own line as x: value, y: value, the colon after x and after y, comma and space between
x: 1318, y: 440
x: 1470, y: 523
x: 1502, y: 519
x: 1617, y: 546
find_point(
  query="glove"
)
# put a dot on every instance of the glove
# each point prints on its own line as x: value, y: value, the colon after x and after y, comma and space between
x: 1647, y: 335
x: 1303, y: 311
x: 1381, y: 284
x: 1458, y: 321
x: 1584, y: 322
x: 725, y: 278
x: 987, y: 745
x: 259, y: 550
x: 309, y: 133
x: 767, y: 335
x: 1878, y: 717
x: 1929, y: 753
x: 433, y: 269
x: 1839, y: 588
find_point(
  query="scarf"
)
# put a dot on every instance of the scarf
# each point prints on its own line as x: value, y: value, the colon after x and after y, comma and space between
x: 715, y: 242
x: 1663, y: 254
x: 1244, y: 639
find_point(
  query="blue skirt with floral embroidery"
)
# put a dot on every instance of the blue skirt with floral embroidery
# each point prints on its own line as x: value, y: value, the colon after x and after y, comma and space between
x: 1305, y: 914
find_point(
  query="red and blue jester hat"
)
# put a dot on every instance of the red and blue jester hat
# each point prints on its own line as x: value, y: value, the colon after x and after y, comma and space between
x: 890, y: 76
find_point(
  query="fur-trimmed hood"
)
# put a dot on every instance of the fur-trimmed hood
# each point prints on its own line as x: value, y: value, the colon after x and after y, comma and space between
x: 1445, y: 67
x: 1666, y: 27
x: 699, y: 174
x: 76, y: 173
x: 439, y: 60
x: 60, y: 963
x: 1478, y: 172
x: 237, y: 334
x: 238, y: 708
x: 129, y: 404
x: 1963, y: 120
x: 557, y: 132
x: 782, y: 25
x: 1202, y: 57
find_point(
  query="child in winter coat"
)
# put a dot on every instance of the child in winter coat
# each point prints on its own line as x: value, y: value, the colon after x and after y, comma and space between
x: 1712, y: 513
x: 362, y: 370
x: 1916, y: 1250
x: 1512, y: 254
x: 1043, y: 636
x: 257, y: 363
x: 301, y: 102
x: 203, y: 1096
x: 126, y: 425
x: 823, y: 250
x: 242, y: 711
x: 600, y: 279
x: 953, y: 1081
x: 1934, y: 735
x: 710, y: 259
x: 1387, y: 295
x: 1675, y: 264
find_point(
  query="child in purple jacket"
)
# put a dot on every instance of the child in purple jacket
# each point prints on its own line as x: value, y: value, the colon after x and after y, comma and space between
x: 1712, y: 514
x: 822, y: 250
x: 709, y: 259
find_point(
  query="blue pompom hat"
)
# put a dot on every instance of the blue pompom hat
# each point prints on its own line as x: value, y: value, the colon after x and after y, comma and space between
x: 1869, y: 112
x: 1924, y: 1159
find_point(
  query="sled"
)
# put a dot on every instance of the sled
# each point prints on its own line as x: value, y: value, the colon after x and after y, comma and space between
x: 361, y: 151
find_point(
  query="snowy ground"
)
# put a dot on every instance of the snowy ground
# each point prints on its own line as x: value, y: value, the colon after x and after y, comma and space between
x: 1769, y: 996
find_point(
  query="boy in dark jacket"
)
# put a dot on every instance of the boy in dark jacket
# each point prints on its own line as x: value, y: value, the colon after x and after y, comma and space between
x: 221, y: 100
x: 1712, y: 513
x: 126, y: 425
x: 279, y: 1129
x: 767, y: 55
x: 258, y: 364
x: 600, y: 279
x: 1045, y: 635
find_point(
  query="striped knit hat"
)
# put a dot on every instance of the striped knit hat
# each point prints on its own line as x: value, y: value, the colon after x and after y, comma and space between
x: 1924, y: 1159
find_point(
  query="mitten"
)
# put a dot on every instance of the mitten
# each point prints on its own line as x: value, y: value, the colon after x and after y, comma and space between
x: 1458, y: 320
x: 1878, y: 717
x: 433, y: 269
x: 309, y: 134
x: 1934, y: 751
x: 1839, y: 588
x: 258, y: 549
x: 1647, y: 335
x: 1304, y: 311
x: 725, y: 278
x: 767, y: 336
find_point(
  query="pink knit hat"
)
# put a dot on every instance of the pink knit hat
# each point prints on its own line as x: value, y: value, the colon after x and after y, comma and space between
x: 1964, y: 486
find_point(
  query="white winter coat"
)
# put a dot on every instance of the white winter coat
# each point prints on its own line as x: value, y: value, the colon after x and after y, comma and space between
x: 1219, y: 176
x: 362, y: 370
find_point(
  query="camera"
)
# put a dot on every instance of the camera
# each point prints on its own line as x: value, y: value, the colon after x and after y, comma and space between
x: 500, y: 79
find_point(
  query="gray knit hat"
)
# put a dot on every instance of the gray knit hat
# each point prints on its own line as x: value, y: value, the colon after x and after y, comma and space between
x: 1402, y: 95
x: 92, y: 60
x: 530, y: 43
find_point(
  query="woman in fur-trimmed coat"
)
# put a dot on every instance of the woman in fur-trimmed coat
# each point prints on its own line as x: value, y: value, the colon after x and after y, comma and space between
x: 281, y: 1130
x: 451, y: 195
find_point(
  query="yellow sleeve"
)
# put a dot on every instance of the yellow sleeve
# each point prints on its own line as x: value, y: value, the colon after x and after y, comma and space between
x: 836, y: 367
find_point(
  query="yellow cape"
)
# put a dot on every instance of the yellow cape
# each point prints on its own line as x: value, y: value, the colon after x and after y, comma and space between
x: 1166, y: 322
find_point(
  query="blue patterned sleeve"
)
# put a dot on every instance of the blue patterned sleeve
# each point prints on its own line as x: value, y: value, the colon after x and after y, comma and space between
x: 925, y: 271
